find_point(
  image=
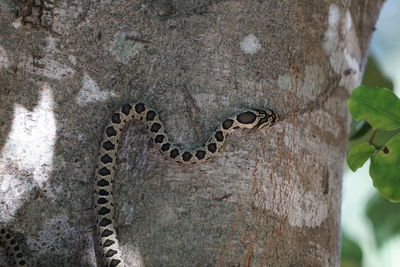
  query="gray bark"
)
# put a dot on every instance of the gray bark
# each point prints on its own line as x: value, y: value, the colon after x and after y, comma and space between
x: 270, y: 198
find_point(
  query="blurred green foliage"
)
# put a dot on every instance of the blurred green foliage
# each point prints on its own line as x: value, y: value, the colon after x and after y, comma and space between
x: 384, y: 215
x: 385, y: 218
x: 351, y: 253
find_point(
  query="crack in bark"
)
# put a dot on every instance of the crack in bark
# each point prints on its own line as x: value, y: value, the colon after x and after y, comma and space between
x: 226, y: 196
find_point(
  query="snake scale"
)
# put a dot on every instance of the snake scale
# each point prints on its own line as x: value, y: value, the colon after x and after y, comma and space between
x: 105, y: 171
x: 13, y: 248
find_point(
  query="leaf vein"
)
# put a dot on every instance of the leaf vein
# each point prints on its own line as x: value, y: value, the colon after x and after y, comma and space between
x: 383, y: 111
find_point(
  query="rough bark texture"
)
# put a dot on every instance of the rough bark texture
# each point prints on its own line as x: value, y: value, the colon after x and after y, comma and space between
x: 271, y: 198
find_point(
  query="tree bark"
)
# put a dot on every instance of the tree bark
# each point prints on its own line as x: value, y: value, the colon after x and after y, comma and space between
x: 270, y: 198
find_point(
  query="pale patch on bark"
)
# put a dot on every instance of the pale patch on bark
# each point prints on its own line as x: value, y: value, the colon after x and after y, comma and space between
x: 123, y: 47
x: 46, y: 65
x: 90, y: 92
x: 127, y: 214
x: 15, y: 187
x: 17, y: 23
x: 134, y: 258
x: 342, y: 46
x: 313, y: 82
x: 284, y: 82
x: 250, y: 44
x: 72, y: 59
x: 30, y: 143
x: 4, y: 62
x: 51, y: 45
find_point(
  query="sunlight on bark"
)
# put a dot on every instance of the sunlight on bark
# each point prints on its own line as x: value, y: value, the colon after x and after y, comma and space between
x: 26, y: 159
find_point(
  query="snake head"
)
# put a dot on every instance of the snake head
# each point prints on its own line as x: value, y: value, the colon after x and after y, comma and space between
x: 266, y: 117
x: 255, y: 119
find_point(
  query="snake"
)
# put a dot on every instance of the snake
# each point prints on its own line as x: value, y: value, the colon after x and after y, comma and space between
x: 105, y: 172
x: 13, y: 247
x: 106, y: 167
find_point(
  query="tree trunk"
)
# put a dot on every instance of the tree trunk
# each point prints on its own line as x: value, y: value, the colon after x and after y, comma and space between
x: 270, y: 198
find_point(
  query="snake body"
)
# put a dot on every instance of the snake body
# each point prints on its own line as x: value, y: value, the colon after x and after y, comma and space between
x: 13, y: 248
x: 105, y: 172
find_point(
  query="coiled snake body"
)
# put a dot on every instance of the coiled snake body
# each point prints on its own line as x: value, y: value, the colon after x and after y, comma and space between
x: 105, y: 172
x: 13, y: 248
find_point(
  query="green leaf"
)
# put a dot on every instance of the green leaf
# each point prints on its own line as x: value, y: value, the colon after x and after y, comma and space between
x: 385, y: 169
x: 378, y: 208
x: 378, y: 106
x: 359, y: 154
x: 382, y: 137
